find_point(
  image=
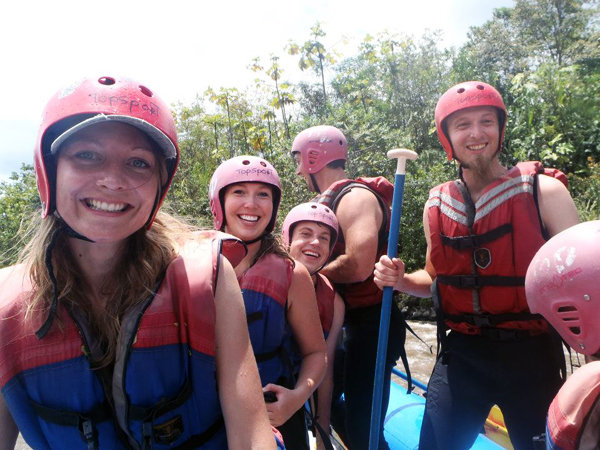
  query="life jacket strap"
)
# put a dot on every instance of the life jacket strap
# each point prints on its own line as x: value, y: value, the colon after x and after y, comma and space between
x: 253, y: 317
x: 149, y: 415
x: 479, y: 281
x: 262, y: 357
x: 502, y: 334
x: 491, y: 320
x: 84, y: 422
x: 476, y: 240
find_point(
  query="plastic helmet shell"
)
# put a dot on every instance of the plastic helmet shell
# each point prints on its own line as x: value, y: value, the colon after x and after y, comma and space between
x: 242, y: 169
x: 562, y: 285
x: 121, y: 99
x: 313, y: 212
x: 462, y: 96
x: 318, y: 146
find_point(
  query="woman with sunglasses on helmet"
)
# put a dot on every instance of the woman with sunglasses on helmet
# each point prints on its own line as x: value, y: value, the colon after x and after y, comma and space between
x: 114, y: 333
x: 244, y: 194
x: 310, y: 231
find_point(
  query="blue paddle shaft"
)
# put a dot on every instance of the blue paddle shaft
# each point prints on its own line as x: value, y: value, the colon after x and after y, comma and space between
x: 386, y: 308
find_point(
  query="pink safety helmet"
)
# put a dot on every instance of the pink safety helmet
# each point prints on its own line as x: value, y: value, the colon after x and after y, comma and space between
x: 242, y: 169
x: 313, y: 212
x: 462, y: 96
x: 93, y: 100
x: 319, y: 146
x: 562, y: 285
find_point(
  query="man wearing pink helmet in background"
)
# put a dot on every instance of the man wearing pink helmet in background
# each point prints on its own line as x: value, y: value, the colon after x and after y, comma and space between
x: 562, y: 285
x: 482, y: 231
x: 310, y: 232
x: 320, y: 153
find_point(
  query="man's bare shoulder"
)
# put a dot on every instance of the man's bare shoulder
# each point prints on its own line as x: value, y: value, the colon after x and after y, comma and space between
x: 357, y: 199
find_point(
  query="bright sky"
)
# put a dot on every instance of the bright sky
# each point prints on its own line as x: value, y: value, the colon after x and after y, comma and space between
x: 180, y: 47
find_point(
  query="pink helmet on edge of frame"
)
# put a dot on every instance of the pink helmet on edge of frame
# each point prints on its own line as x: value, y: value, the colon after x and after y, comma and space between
x: 92, y: 100
x: 313, y: 212
x: 319, y: 146
x: 242, y: 169
x: 462, y: 96
x: 562, y: 285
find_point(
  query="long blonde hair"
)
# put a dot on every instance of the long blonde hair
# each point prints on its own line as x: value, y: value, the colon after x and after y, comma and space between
x: 143, y: 260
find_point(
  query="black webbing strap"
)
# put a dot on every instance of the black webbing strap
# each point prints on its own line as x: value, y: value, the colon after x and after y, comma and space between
x: 491, y: 320
x: 253, y: 317
x: 148, y: 415
x: 198, y: 440
x: 476, y: 240
x: 479, y: 281
x: 262, y: 357
x: 442, y: 339
x: 505, y: 334
x: 84, y: 422
x: 163, y: 407
x: 312, y: 419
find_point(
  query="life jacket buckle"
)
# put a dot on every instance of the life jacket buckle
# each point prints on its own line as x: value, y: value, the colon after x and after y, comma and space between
x: 469, y: 282
x: 87, y: 429
x: 481, y: 321
x: 147, y: 435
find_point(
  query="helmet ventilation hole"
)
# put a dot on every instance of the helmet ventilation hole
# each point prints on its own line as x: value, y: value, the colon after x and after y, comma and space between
x: 107, y: 81
x: 147, y: 92
x: 341, y: 142
x: 313, y: 206
x: 461, y: 90
x: 563, y: 309
x: 245, y: 162
x: 480, y: 87
x: 264, y: 164
x: 575, y: 330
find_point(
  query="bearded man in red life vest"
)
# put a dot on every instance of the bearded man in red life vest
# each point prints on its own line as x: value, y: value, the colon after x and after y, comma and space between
x: 320, y: 153
x: 482, y: 232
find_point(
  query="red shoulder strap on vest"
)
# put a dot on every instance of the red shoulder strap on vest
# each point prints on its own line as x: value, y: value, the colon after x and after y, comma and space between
x: 380, y: 185
x: 537, y: 167
x: 555, y: 173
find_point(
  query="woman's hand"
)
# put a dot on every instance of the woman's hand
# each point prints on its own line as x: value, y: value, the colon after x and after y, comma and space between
x: 288, y: 402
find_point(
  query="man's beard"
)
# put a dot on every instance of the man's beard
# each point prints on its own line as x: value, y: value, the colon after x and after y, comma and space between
x: 480, y: 166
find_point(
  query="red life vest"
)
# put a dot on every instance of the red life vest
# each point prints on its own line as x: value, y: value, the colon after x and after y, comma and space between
x: 481, y: 252
x: 162, y: 389
x: 363, y: 293
x: 574, y: 415
x: 325, y: 297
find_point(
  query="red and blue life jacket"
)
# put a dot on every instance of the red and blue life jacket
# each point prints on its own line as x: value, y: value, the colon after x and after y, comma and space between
x: 265, y: 288
x: 162, y: 392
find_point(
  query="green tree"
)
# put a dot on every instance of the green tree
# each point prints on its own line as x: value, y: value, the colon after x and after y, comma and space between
x: 314, y: 55
x: 550, y: 29
x: 19, y: 201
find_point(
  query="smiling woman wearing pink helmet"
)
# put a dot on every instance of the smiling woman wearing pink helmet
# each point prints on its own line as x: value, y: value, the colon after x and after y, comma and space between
x: 115, y: 333
x: 244, y: 195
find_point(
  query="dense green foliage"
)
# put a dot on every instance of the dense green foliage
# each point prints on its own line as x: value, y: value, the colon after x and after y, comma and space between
x: 542, y: 55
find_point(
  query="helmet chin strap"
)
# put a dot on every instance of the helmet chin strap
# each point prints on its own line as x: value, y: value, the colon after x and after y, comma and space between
x: 62, y: 227
x: 252, y: 241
